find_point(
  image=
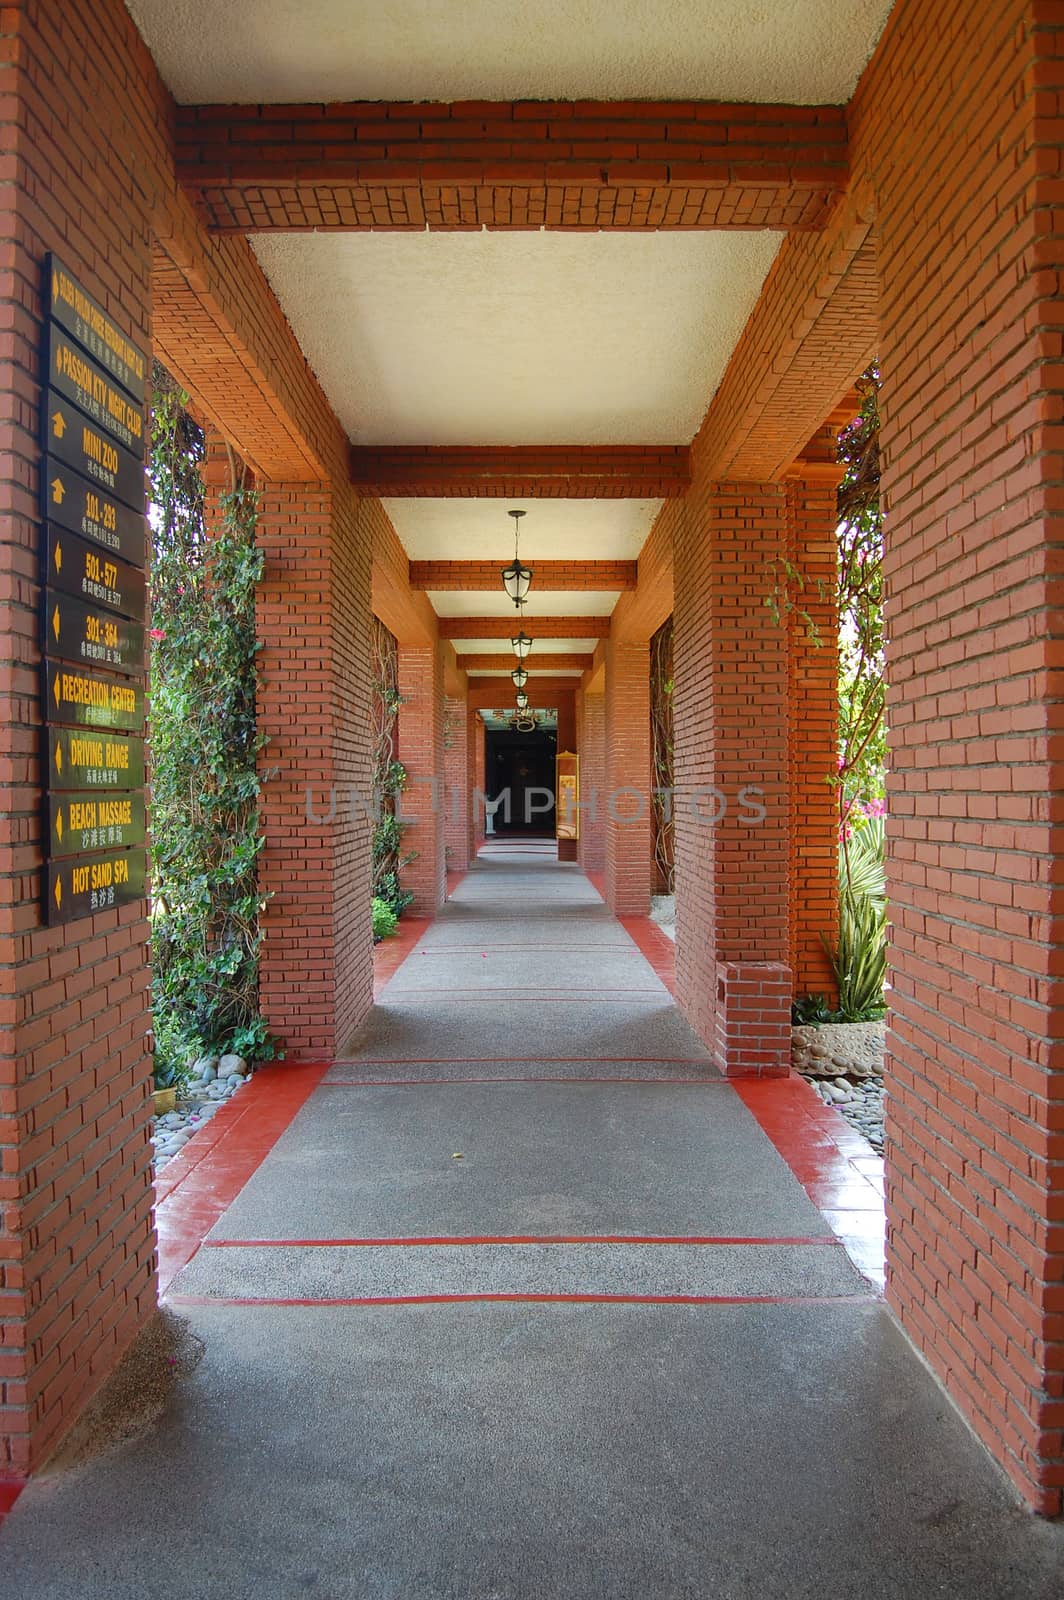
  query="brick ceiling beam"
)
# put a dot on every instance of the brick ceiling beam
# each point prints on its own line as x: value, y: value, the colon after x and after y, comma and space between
x: 486, y: 695
x: 552, y: 662
x: 569, y: 472
x: 524, y: 164
x: 535, y: 627
x: 552, y: 576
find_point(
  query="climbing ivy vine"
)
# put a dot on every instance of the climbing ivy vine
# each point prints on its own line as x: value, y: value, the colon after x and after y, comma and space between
x: 205, y: 746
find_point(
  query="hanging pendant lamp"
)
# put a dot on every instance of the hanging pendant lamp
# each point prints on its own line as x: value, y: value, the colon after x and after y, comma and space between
x: 516, y: 578
x: 522, y: 645
x: 520, y: 677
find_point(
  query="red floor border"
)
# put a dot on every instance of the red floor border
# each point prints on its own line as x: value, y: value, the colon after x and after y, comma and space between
x: 10, y: 1489
x: 208, y: 1174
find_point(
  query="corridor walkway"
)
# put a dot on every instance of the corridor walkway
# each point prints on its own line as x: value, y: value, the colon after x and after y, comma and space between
x: 523, y: 1303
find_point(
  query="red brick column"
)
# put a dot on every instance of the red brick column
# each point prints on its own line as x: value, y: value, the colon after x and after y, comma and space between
x: 77, y: 1274
x: 458, y: 791
x: 730, y: 708
x: 475, y: 757
x: 568, y: 739
x: 316, y: 969
x: 421, y: 752
x: 626, y: 803
x: 813, y: 700
x: 968, y: 141
x: 591, y: 745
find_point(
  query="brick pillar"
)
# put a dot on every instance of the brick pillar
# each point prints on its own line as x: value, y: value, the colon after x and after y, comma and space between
x: 316, y: 968
x: 568, y: 739
x: 813, y: 696
x: 591, y: 744
x: 457, y: 825
x: 626, y: 804
x: 971, y: 260
x: 475, y: 769
x: 77, y: 1269
x: 421, y: 752
x: 730, y: 709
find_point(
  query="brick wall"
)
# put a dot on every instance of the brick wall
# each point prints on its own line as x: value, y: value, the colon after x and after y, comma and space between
x: 76, y: 1236
x: 458, y: 788
x: 730, y: 711
x: 959, y: 118
x: 421, y: 752
x: 626, y: 802
x: 813, y: 734
x: 591, y: 744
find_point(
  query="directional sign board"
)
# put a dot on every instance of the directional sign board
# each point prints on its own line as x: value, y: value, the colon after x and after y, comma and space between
x: 79, y: 885
x: 82, y: 569
x: 74, y: 309
x: 92, y: 635
x: 92, y: 699
x: 88, y: 758
x: 75, y: 376
x: 73, y: 441
x: 88, y: 820
x: 72, y: 502
x: 93, y: 556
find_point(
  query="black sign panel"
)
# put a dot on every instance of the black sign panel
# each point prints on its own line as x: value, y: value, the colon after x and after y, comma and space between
x: 75, y: 309
x: 90, y: 758
x: 75, y: 376
x: 73, y: 441
x: 92, y: 636
x: 79, y: 568
x: 92, y: 699
x: 76, y: 888
x: 90, y: 821
x: 78, y: 505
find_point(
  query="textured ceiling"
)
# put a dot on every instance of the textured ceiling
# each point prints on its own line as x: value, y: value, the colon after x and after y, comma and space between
x: 580, y: 603
x: 312, y: 50
x: 553, y: 530
x: 518, y: 338
x: 541, y: 648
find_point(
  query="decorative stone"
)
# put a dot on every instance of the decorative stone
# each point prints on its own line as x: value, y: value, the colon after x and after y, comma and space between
x: 232, y: 1066
x: 205, y: 1069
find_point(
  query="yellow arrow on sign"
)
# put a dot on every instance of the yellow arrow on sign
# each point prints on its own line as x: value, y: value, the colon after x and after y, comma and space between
x: 56, y: 690
x: 59, y: 758
x: 59, y: 891
x: 58, y: 359
x: 55, y: 623
x: 59, y: 826
x: 58, y: 424
x: 59, y: 558
x: 58, y: 491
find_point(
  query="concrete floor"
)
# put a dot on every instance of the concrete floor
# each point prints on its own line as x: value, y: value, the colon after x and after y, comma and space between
x: 391, y: 1405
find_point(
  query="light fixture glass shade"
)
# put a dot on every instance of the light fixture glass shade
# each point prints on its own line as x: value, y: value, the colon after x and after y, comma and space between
x: 522, y: 645
x: 515, y: 580
x: 520, y: 677
x: 521, y: 700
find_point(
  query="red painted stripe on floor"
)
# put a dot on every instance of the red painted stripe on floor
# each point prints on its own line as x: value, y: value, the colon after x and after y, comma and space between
x: 523, y: 1238
x: 10, y: 1489
x: 439, y: 1061
x: 198, y: 1184
x: 414, y: 1083
x: 533, y: 1299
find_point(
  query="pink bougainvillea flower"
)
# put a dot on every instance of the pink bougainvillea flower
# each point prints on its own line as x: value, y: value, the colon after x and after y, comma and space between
x: 157, y: 633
